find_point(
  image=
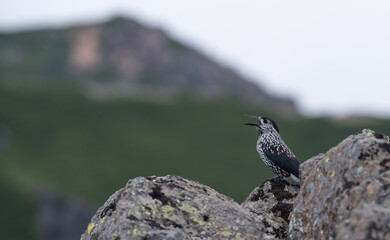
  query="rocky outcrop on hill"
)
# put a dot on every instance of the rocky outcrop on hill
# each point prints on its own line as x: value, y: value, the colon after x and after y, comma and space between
x: 344, y: 194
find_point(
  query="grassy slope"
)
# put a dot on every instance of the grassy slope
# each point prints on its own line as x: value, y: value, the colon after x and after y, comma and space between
x: 91, y: 149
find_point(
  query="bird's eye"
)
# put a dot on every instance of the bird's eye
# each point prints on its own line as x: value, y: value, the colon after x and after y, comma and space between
x: 265, y: 121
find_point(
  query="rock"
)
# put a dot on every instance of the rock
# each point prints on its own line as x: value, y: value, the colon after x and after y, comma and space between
x: 273, y: 201
x: 345, y: 193
x: 172, y: 207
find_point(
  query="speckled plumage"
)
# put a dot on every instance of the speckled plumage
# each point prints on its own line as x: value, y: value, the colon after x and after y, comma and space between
x: 273, y: 151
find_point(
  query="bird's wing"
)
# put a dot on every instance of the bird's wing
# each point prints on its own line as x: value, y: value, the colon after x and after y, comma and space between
x: 289, y: 164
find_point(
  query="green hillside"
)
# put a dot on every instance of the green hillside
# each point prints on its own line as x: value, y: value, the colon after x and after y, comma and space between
x: 90, y: 149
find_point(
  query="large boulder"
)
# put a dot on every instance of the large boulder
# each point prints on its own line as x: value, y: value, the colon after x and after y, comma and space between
x: 345, y: 193
x: 172, y: 207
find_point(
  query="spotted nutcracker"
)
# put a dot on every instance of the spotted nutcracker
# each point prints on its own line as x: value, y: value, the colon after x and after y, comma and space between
x: 274, y: 152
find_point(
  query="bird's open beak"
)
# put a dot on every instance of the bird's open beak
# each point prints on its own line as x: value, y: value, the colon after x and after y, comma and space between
x: 252, y: 124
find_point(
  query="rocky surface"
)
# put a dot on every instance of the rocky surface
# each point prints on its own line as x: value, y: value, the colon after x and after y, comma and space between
x: 273, y: 201
x: 345, y: 193
x: 172, y: 207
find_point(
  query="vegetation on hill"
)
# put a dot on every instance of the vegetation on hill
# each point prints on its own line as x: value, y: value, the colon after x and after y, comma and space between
x: 90, y: 149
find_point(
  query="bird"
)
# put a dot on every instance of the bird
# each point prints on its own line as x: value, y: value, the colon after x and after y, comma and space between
x: 273, y: 151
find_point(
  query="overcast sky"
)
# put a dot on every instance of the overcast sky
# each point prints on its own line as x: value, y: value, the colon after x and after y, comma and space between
x: 332, y: 57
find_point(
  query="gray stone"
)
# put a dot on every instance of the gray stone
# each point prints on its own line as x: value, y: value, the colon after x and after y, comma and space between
x: 273, y: 201
x: 172, y: 207
x: 345, y: 193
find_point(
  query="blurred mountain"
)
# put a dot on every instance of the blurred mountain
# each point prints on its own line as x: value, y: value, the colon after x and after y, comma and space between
x: 121, y: 58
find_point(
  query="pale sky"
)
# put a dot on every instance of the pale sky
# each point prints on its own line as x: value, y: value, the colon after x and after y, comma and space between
x: 332, y: 57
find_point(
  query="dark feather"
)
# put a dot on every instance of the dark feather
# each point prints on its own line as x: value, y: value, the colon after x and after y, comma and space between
x: 286, y: 163
x: 267, y: 119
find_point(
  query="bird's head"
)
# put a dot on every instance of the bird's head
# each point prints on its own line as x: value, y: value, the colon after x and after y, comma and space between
x: 263, y: 125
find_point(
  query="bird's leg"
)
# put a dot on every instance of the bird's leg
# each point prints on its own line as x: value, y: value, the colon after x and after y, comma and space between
x: 277, y: 177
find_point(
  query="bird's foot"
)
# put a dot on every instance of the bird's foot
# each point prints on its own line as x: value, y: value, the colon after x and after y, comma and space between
x: 276, y: 178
